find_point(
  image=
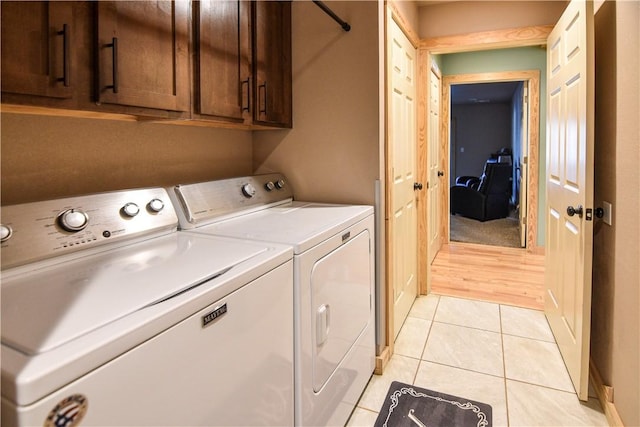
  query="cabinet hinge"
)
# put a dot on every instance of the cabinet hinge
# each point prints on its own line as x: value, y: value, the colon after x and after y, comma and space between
x: 525, y: 160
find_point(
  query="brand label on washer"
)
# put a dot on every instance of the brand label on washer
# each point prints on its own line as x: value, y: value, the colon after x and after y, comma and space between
x: 217, y: 312
x: 68, y: 413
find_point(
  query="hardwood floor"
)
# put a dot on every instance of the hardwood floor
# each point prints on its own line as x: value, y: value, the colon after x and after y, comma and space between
x: 489, y: 273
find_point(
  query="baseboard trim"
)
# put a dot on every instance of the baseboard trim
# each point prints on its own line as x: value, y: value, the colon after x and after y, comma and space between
x: 382, y: 360
x: 605, y: 396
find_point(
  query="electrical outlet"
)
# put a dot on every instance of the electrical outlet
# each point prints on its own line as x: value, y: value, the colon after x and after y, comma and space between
x: 608, y: 212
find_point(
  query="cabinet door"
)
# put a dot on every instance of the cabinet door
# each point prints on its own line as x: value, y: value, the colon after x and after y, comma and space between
x: 37, y: 48
x: 142, y: 53
x: 221, y: 61
x: 272, y: 62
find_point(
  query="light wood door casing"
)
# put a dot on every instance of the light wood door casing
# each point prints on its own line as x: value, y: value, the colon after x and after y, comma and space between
x: 435, y: 173
x: 523, y: 171
x: 402, y: 89
x: 570, y: 106
x: 532, y: 77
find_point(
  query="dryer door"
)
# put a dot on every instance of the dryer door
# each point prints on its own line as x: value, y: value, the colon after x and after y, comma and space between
x: 341, y: 304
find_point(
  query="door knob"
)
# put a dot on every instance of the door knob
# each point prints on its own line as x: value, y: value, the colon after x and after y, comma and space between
x: 440, y: 173
x: 417, y: 186
x: 571, y: 211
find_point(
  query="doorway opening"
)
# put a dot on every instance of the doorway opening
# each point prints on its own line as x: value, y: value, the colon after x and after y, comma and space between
x: 524, y: 168
x: 486, y: 163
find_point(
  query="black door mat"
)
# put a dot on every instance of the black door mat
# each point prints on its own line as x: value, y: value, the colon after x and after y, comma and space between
x: 411, y: 406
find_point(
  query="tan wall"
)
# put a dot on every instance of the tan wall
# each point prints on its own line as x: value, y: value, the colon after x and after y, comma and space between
x: 409, y: 12
x: 462, y: 17
x: 48, y: 157
x: 332, y: 152
x: 615, y: 342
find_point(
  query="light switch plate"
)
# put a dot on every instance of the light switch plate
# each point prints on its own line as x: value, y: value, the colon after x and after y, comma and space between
x: 608, y: 212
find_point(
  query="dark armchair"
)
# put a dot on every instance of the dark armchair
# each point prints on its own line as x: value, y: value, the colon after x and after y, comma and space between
x: 486, y: 197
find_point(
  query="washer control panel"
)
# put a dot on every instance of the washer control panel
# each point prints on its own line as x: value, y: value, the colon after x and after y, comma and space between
x: 206, y: 202
x: 35, y: 231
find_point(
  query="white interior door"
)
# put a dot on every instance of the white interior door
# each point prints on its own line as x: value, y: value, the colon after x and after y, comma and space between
x: 401, y: 120
x: 524, y: 167
x: 433, y: 161
x: 570, y: 106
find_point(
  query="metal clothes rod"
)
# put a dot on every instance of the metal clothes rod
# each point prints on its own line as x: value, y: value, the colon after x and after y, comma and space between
x: 345, y: 26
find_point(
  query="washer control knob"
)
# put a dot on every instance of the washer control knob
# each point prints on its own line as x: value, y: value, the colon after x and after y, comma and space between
x: 130, y: 210
x: 5, y: 232
x: 269, y: 186
x: 280, y: 184
x: 73, y: 220
x: 248, y: 190
x: 156, y: 205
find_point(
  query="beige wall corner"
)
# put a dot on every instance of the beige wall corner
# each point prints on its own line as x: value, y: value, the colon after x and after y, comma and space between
x: 406, y: 15
x: 332, y: 152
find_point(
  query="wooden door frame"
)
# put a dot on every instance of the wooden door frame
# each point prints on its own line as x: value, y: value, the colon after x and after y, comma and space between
x: 488, y: 40
x: 532, y: 77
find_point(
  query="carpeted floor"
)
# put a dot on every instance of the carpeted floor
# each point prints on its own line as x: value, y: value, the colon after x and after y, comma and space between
x: 498, y: 232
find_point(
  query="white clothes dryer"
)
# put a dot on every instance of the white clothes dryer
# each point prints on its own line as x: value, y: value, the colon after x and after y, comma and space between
x: 334, y: 299
x: 110, y: 317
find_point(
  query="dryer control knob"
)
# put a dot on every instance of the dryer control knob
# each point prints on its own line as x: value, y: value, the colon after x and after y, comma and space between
x: 156, y: 205
x: 248, y: 190
x: 130, y: 210
x: 73, y: 220
x: 5, y: 232
x: 269, y: 186
x: 280, y: 184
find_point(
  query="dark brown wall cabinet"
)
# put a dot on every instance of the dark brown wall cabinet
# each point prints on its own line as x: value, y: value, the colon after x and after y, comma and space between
x: 37, y: 48
x: 242, y: 61
x: 134, y: 58
x: 142, y: 54
x: 222, y: 59
x: 272, y: 62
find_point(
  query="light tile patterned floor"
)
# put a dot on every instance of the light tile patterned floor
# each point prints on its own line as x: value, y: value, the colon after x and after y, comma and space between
x: 496, y: 354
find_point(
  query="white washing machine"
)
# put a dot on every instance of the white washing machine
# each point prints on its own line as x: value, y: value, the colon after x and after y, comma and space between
x: 333, y: 274
x: 110, y: 317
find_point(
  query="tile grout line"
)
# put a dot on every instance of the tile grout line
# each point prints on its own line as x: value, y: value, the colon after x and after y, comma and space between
x: 504, y: 365
x: 573, y: 393
x: 424, y: 347
x: 461, y: 369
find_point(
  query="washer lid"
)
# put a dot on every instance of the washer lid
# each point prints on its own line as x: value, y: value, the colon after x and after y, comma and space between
x: 299, y: 224
x: 50, y: 306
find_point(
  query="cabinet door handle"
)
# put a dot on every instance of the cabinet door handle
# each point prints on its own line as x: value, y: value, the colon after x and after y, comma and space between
x: 114, y: 65
x: 65, y: 79
x: 264, y: 85
x: 248, y: 83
